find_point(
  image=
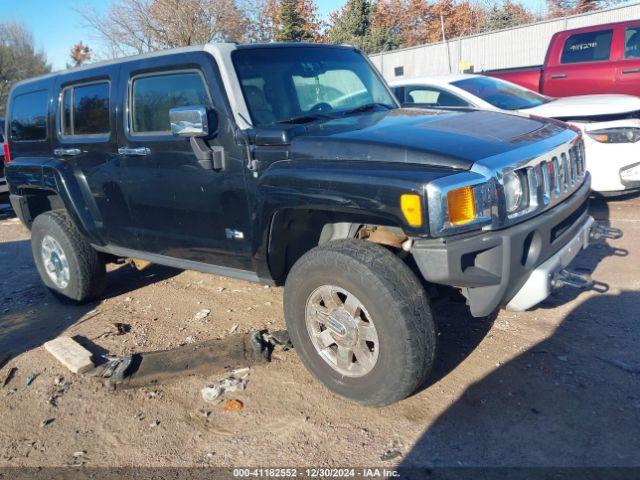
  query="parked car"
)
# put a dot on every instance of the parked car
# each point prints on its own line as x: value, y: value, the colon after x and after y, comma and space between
x: 611, y: 135
x: 595, y: 59
x: 3, y: 181
x: 208, y: 158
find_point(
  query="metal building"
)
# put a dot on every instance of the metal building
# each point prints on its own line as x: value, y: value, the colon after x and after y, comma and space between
x: 513, y: 47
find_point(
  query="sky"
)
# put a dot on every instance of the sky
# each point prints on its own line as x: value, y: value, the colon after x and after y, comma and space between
x: 56, y: 26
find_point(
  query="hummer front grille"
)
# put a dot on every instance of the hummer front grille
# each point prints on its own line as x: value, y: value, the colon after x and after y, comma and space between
x: 552, y: 177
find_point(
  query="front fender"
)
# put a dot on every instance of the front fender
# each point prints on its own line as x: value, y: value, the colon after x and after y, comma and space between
x: 358, y: 191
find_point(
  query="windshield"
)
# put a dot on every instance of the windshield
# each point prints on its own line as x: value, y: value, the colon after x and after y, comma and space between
x: 286, y: 83
x: 501, y: 94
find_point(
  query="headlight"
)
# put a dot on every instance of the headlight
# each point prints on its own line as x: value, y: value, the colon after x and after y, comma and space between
x: 616, y: 135
x: 514, y: 191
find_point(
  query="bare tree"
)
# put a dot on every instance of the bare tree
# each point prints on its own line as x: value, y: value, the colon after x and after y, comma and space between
x: 79, y: 54
x: 139, y: 26
x: 19, y: 58
x: 262, y: 19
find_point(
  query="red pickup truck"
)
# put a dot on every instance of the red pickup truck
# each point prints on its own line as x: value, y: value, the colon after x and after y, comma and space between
x: 595, y: 59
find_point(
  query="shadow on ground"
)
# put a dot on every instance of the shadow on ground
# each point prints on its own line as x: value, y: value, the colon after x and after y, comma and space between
x: 571, y: 400
x: 30, y: 315
x: 534, y: 409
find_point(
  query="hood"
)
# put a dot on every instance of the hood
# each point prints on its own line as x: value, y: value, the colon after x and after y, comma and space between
x: 447, y: 138
x: 586, y: 106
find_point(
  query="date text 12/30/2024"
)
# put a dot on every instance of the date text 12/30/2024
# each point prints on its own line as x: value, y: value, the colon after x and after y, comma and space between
x: 315, y: 473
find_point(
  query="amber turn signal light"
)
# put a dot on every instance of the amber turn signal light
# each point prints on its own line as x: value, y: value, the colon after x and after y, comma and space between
x: 462, y: 205
x: 411, y: 206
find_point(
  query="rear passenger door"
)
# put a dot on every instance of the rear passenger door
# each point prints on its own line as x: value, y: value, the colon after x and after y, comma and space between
x: 29, y: 131
x: 628, y: 63
x: 84, y: 145
x: 583, y: 66
x: 184, y: 210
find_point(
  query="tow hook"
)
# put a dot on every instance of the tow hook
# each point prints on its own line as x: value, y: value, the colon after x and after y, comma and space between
x: 600, y: 231
x: 580, y: 280
x: 572, y: 278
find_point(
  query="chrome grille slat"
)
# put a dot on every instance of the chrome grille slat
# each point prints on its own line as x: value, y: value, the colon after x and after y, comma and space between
x: 553, y: 177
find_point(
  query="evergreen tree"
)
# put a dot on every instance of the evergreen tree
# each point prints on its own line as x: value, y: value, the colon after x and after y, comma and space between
x: 292, y: 25
x: 353, y: 25
x: 507, y: 14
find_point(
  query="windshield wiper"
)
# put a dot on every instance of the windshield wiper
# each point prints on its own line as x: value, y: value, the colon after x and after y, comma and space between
x: 312, y: 117
x: 366, y: 107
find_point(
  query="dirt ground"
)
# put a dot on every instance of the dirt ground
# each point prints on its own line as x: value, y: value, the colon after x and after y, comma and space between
x: 556, y: 386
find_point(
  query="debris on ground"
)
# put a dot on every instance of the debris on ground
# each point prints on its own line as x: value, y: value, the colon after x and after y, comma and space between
x: 278, y: 338
x: 31, y: 378
x: 210, y: 357
x: 115, y: 368
x: 77, y: 460
x: 233, y: 383
x: 233, y: 328
x: 154, y: 424
x: 70, y: 353
x: 8, y: 376
x: 122, y: 328
x: 46, y: 422
x: 202, y: 314
x: 152, y: 368
x: 233, y: 406
x: 59, y: 387
x: 390, y: 455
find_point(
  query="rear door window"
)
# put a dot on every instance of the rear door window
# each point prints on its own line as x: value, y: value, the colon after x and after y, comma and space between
x: 29, y: 117
x: 152, y: 96
x: 85, y: 110
x: 587, y: 47
x: 632, y: 42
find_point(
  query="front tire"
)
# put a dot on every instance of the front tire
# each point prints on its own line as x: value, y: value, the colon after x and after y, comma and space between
x: 66, y: 262
x: 360, y: 321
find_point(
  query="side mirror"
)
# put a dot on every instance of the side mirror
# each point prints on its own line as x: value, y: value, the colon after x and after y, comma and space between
x: 189, y: 121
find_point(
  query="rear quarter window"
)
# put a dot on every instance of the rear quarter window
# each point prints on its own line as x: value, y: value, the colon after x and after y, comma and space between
x: 85, y: 110
x: 29, y: 117
x: 587, y: 47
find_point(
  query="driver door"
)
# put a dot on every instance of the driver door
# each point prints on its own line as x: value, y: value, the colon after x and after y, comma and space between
x: 186, y: 211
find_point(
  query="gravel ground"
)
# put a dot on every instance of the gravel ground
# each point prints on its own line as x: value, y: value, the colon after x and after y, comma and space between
x: 556, y: 386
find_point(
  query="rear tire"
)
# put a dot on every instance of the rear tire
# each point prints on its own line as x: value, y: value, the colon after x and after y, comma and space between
x: 334, y: 295
x: 66, y: 262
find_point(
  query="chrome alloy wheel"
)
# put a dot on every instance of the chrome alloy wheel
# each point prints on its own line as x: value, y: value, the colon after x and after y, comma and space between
x: 55, y: 262
x: 342, y: 331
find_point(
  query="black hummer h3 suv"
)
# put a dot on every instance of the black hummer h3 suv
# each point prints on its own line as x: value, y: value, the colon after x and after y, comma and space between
x: 293, y: 164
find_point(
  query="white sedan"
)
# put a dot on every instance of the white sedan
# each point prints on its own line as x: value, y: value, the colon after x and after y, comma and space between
x: 610, y: 123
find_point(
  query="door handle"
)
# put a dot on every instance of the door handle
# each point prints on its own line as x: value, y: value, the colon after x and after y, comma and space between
x: 67, y: 152
x: 559, y: 75
x: 138, y: 151
x: 631, y: 70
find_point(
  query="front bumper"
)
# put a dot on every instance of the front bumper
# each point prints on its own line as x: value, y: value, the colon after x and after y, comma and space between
x: 541, y: 281
x: 492, y: 267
